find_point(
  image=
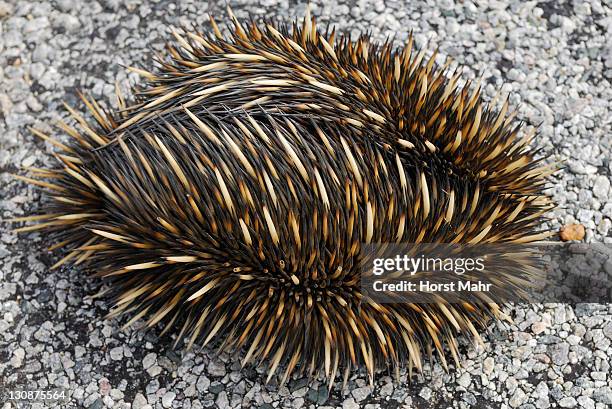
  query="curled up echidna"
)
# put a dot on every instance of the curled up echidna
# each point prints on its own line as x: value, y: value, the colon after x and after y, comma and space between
x: 230, y: 199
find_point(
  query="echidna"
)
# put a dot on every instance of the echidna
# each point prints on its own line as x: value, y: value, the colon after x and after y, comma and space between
x: 231, y: 198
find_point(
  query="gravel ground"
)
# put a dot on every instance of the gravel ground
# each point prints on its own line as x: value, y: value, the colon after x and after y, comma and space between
x: 555, y: 60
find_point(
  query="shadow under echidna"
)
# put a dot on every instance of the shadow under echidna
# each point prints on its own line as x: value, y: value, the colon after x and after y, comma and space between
x: 231, y: 198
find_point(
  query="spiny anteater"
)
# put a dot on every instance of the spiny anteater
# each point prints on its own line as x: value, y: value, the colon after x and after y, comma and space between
x: 231, y: 199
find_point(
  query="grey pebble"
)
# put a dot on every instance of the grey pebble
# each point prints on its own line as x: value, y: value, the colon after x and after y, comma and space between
x: 601, y: 187
x: 116, y: 353
x: 68, y: 22
x: 65, y: 5
x: 559, y: 353
x: 216, y: 368
x: 586, y: 402
x: 518, y: 398
x: 5, y: 9
x: 168, y: 398
x: 222, y: 401
x: 567, y: 402
x: 149, y: 360
x: 582, y: 169
x: 350, y: 404
x: 361, y: 393
x: 603, y: 395
x: 154, y: 370
x: 203, y: 383
x: 464, y: 380
x: 97, y: 404
x: 425, y: 393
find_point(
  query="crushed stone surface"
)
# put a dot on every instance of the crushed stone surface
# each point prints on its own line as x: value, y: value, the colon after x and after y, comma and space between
x: 554, y: 59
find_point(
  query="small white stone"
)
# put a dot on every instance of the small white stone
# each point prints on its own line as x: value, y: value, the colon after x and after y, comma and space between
x: 601, y: 187
x: 586, y: 402
x: 518, y: 398
x: 465, y: 380
x: 350, y: 404
x: 5, y: 9
x: 604, y: 226
x: 79, y: 351
x: 203, y: 383
x: 168, y: 398
x: 361, y: 393
x: 149, y: 360
x: 216, y: 368
x: 154, y: 371
x: 28, y: 161
x: 425, y: 393
x: 222, y: 401
x: 567, y: 402
x: 488, y: 365
x: 116, y: 353
x: 17, y: 359
x: 538, y: 327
